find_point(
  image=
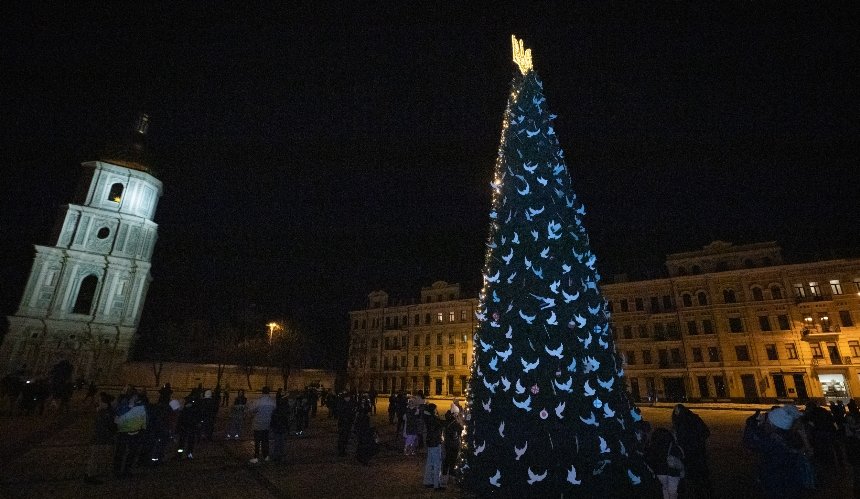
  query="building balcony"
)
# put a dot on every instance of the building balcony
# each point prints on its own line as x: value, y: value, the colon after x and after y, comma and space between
x: 823, y: 362
x: 816, y: 334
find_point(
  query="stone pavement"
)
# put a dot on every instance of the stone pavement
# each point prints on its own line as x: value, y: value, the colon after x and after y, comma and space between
x: 44, y: 456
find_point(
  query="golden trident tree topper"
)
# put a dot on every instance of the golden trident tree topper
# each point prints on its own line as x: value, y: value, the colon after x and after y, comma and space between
x: 522, y: 55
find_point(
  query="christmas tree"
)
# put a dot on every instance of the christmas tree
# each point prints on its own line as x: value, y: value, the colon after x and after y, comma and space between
x: 548, y: 413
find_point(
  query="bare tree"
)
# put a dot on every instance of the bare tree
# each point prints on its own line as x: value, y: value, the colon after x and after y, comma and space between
x: 250, y: 354
x: 287, y: 347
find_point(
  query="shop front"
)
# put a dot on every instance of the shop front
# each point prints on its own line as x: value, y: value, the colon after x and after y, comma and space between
x: 834, y: 386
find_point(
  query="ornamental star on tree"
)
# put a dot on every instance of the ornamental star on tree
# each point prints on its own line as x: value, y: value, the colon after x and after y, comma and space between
x: 548, y: 413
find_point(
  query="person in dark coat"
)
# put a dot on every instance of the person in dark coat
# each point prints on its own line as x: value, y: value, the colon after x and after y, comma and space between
x: 662, y: 448
x: 365, y: 435
x: 188, y: 428
x: 345, y: 418
x: 779, y: 449
x: 451, y: 438
x: 433, y: 464
x: 851, y: 425
x: 101, y: 441
x: 280, y: 426
x: 692, y: 434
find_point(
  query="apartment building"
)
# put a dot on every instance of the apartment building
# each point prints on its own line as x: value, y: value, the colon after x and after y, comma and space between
x: 728, y: 323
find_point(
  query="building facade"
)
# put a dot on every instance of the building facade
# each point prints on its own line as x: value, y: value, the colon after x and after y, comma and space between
x: 85, y: 293
x: 728, y: 323
x: 421, y: 346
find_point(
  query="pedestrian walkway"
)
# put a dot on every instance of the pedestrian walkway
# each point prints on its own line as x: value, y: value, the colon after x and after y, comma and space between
x: 45, y: 456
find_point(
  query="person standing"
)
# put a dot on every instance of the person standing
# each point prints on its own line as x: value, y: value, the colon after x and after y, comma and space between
x: 692, y: 434
x: 188, y: 428
x: 345, y: 418
x: 372, y: 396
x: 365, y: 436
x: 208, y: 408
x: 780, y: 450
x: 261, y: 411
x: 451, y: 437
x: 433, y: 464
x: 665, y: 458
x: 225, y: 396
x: 102, y: 438
x: 237, y: 415
x: 129, y: 424
x: 280, y: 426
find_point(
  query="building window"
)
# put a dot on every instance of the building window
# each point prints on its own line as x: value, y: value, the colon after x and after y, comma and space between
x: 814, y: 289
x: 464, y: 358
x: 659, y: 332
x: 663, y: 357
x: 439, y: 317
x: 771, y: 352
x: 86, y: 295
x: 643, y: 331
x: 707, y: 326
x: 388, y: 322
x: 394, y: 363
x: 415, y: 361
x: 704, y: 390
x: 373, y: 362
x: 764, y: 323
x: 417, y: 320
x: 791, y: 350
x: 720, y: 387
x: 426, y: 361
x: 438, y: 360
x: 835, y: 287
x: 646, y: 356
x: 845, y: 318
x: 628, y: 332
x: 631, y: 357
x: 672, y: 331
x: 713, y: 354
x: 640, y: 304
x: 464, y: 339
x: 857, y: 285
x: 855, y: 348
x: 799, y: 290
x: 757, y: 294
x: 702, y: 298
x: 655, y: 304
x: 462, y: 315
x: 450, y: 338
x: 692, y: 328
x: 776, y: 292
x: 687, y: 300
x: 742, y: 352
x: 697, y: 354
x: 624, y: 305
x: 667, y: 302
x: 451, y: 316
x: 784, y: 325
x: 416, y: 341
x: 729, y: 296
x: 439, y: 339
x: 816, y: 351
x: 736, y: 325
x: 374, y: 343
x: 427, y: 340
x: 115, y: 193
x: 450, y: 359
x: 426, y: 318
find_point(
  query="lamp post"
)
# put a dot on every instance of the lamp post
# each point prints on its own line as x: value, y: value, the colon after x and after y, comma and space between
x: 272, y: 327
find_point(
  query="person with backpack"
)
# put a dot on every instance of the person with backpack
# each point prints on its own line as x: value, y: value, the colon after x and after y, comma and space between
x: 666, y: 458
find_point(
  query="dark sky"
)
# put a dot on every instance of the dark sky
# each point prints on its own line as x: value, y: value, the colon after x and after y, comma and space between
x: 311, y: 154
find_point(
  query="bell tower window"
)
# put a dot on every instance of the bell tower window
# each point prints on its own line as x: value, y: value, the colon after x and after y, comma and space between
x: 115, y: 193
x: 86, y: 294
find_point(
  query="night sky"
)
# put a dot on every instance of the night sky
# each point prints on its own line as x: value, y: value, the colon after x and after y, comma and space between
x: 313, y: 154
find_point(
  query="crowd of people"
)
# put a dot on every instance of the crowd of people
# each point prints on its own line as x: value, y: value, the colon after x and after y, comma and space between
x: 795, y: 448
x: 145, y: 432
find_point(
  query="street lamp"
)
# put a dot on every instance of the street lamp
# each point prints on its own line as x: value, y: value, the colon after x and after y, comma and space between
x: 272, y: 327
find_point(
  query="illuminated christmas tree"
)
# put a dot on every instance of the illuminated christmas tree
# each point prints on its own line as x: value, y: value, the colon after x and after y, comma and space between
x: 548, y: 412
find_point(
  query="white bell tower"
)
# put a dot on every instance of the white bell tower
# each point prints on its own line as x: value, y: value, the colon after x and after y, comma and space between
x: 85, y: 294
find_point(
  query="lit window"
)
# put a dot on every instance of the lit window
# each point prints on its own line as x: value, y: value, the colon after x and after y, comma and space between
x: 462, y: 315
x: 835, y: 287
x: 439, y: 317
x: 451, y: 316
x: 814, y: 289
x: 799, y: 290
x: 463, y: 357
x: 115, y: 193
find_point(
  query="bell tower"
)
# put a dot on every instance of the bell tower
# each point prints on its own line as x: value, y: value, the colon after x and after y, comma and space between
x: 85, y: 294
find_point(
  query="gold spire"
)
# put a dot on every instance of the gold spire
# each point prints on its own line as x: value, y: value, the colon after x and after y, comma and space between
x: 522, y: 55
